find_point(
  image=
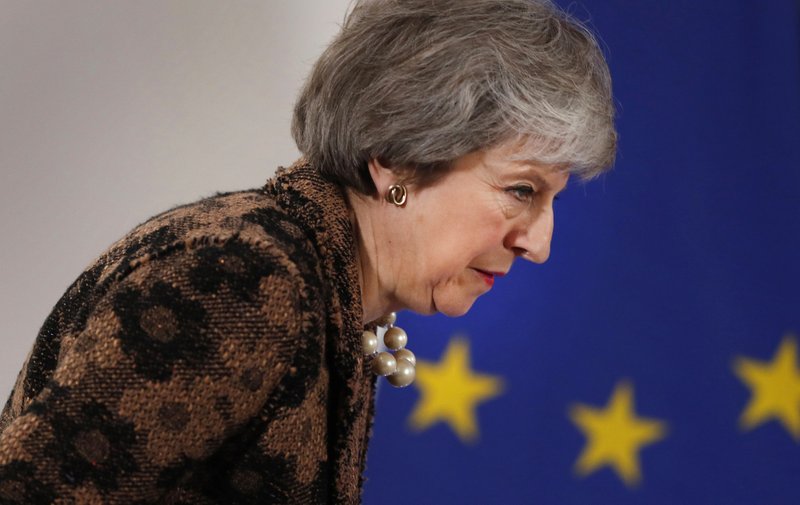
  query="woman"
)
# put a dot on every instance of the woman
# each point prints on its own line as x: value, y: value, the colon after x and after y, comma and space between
x: 217, y: 353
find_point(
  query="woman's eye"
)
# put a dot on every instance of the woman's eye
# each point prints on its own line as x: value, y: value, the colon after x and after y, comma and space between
x: 522, y: 193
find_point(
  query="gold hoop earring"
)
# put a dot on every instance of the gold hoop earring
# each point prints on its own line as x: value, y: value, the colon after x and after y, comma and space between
x: 397, y: 195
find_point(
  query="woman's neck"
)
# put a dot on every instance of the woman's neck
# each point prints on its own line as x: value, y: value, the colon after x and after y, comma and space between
x: 364, y: 216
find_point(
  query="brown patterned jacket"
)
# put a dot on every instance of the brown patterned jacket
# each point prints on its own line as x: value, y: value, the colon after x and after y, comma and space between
x: 213, y: 355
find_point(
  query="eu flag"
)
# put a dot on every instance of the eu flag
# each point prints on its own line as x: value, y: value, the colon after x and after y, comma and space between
x: 654, y: 358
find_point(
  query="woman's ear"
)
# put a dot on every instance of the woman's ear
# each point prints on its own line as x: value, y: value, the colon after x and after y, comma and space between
x: 382, y: 176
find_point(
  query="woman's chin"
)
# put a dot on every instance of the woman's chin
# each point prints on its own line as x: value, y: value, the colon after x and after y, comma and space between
x: 453, y: 307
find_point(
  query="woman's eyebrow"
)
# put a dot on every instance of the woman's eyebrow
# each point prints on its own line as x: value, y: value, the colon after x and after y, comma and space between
x: 531, y: 169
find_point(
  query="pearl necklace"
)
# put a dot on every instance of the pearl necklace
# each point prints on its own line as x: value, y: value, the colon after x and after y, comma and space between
x: 398, y: 368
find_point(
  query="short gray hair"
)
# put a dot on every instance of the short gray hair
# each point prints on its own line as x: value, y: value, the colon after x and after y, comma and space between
x: 420, y: 83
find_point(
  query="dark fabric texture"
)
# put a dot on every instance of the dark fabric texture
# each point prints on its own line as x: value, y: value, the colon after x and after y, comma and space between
x: 212, y: 355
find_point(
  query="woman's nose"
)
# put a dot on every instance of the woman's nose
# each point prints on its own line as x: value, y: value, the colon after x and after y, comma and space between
x: 531, y: 240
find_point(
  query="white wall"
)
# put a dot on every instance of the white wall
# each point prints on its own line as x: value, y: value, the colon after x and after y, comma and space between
x: 111, y: 111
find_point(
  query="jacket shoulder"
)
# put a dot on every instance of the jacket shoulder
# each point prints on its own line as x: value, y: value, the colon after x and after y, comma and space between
x: 207, y: 241
x: 250, y: 216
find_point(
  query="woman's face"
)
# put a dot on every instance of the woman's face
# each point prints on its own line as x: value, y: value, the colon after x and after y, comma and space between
x: 452, y: 239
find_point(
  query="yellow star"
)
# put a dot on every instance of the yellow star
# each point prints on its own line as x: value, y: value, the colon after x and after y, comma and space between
x: 451, y: 392
x: 615, y: 435
x: 775, y: 388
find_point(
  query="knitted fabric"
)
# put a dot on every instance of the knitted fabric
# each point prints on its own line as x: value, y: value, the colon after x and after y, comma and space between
x: 212, y: 355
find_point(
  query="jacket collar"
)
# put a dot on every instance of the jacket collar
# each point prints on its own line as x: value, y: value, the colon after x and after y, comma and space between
x: 321, y: 208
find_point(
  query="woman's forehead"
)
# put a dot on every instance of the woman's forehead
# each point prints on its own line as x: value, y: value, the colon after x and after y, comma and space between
x: 511, y: 160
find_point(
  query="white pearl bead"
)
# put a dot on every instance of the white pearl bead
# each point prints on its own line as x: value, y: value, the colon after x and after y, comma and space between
x: 406, y: 355
x: 404, y: 375
x: 388, y: 319
x: 369, y: 342
x: 395, y: 338
x: 384, y: 364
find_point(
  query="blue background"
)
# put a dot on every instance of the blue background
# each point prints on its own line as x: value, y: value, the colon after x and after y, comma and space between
x: 683, y: 258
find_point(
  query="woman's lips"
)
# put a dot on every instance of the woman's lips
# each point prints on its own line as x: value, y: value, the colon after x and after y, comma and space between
x: 488, y: 277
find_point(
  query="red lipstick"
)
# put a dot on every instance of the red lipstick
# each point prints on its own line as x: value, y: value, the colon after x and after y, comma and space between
x: 488, y: 277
